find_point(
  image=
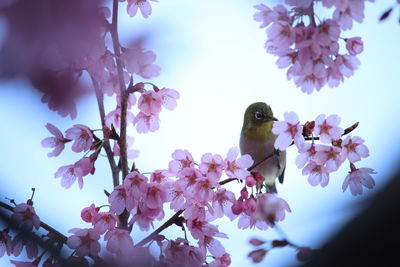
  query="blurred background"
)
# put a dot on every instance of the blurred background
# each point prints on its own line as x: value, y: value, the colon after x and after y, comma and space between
x: 212, y: 53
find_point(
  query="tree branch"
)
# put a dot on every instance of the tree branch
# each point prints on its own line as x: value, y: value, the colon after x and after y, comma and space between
x: 107, y: 147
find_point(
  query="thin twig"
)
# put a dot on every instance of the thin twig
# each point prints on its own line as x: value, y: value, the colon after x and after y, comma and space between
x: 106, y: 142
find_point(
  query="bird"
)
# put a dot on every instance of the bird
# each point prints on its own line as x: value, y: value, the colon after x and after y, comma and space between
x: 257, y: 140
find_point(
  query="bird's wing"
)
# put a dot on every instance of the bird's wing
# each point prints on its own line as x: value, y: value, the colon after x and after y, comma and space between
x: 280, y: 178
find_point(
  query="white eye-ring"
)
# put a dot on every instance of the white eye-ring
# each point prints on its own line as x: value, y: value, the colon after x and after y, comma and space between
x: 258, y: 115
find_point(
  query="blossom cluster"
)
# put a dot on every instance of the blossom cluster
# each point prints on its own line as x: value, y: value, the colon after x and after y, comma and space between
x: 190, y: 188
x: 24, y: 217
x: 318, y: 160
x: 312, y: 50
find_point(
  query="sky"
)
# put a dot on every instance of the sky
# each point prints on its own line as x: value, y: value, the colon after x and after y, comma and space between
x: 212, y: 53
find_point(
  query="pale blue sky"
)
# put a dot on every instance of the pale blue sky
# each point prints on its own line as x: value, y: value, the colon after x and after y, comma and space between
x: 212, y: 53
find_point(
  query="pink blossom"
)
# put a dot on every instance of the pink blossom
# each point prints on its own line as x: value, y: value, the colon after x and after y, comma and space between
x: 318, y: 174
x: 357, y: 178
x: 140, y: 62
x: 222, y: 202
x: 132, y: 153
x: 182, y: 159
x: 306, y: 153
x: 21, y: 241
x: 330, y: 156
x: 5, y: 243
x: 119, y: 241
x: 57, y: 141
x: 354, y: 149
x: 178, y: 253
x: 288, y: 131
x: 156, y: 195
x: 82, y: 136
x: 168, y: 97
x: 281, y: 34
x: 145, y: 123
x: 160, y: 176
x: 223, y: 261
x: 143, y: 5
x: 327, y: 128
x: 120, y: 200
x: 267, y: 16
x: 88, y: 213
x: 84, y: 241
x: 237, y: 167
x: 203, y: 189
x: 70, y: 173
x: 354, y: 45
x: 144, y: 216
x: 136, y: 184
x: 211, y: 165
x: 177, y: 196
x: 104, y: 221
x: 347, y: 64
x: 150, y: 103
x: 327, y: 32
x: 25, y: 216
x: 271, y: 208
x: 114, y: 118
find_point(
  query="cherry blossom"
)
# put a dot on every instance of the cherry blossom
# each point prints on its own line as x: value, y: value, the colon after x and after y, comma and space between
x: 168, y: 98
x: 140, y: 62
x: 104, y: 221
x: 84, y: 241
x: 143, y: 5
x: 288, y: 131
x: 120, y: 200
x: 136, y: 184
x: 330, y: 156
x: 306, y: 153
x: 271, y: 208
x: 354, y: 149
x: 88, y: 213
x: 70, y: 173
x: 114, y: 118
x: 354, y: 45
x: 327, y: 128
x: 57, y: 141
x: 119, y: 241
x: 223, y: 261
x: 82, y: 136
x: 22, y: 241
x: 25, y: 216
x: 156, y: 195
x: 237, y: 167
x: 145, y: 123
x: 318, y: 174
x: 222, y: 202
x: 212, y: 165
x: 182, y: 159
x: 357, y: 178
x: 5, y: 243
x: 150, y: 103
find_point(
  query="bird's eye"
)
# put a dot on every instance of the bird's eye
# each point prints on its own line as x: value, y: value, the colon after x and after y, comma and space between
x: 258, y: 115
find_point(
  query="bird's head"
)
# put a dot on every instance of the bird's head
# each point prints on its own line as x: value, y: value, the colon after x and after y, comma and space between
x: 257, y: 114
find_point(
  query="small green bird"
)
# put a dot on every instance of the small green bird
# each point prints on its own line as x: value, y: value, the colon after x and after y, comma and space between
x: 257, y: 140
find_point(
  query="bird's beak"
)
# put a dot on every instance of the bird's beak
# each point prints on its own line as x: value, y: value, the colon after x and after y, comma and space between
x: 274, y: 119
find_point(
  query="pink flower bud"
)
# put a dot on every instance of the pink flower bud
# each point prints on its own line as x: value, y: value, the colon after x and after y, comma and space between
x: 250, y: 181
x: 354, y: 45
